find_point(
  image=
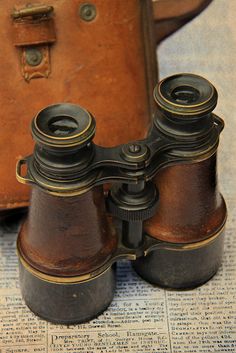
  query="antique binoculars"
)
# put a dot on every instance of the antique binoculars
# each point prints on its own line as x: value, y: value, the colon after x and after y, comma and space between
x: 161, y: 207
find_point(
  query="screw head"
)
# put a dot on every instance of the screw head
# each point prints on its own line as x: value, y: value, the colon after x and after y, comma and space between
x: 87, y: 12
x: 33, y: 56
x: 135, y: 152
x: 134, y: 148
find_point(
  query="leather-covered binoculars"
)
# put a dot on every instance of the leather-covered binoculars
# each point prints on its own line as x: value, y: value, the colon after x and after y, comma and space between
x: 163, y: 209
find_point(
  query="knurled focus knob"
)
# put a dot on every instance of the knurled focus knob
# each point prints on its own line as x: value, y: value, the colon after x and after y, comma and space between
x: 127, y: 204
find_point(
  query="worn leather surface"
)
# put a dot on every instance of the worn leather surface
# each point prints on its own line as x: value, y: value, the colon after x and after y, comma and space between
x: 191, y: 207
x: 33, y: 32
x: 101, y: 65
x: 67, y: 236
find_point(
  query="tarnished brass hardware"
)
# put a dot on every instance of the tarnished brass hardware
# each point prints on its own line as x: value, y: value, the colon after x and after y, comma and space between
x: 43, y: 10
x: 135, y: 152
x: 87, y: 12
x: 33, y: 56
x: 155, y: 226
x: 22, y: 179
x: 33, y: 34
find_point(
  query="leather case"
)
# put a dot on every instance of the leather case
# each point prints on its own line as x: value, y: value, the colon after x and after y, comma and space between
x: 100, y: 55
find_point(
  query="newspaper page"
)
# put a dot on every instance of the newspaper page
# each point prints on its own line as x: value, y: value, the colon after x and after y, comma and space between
x: 144, y: 318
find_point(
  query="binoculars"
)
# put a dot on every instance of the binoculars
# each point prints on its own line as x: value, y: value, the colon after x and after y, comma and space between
x: 161, y: 207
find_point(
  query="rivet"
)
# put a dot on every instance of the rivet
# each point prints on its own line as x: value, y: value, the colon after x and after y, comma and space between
x: 33, y: 57
x: 87, y: 12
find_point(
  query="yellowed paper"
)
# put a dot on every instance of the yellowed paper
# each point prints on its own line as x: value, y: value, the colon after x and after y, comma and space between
x: 143, y: 318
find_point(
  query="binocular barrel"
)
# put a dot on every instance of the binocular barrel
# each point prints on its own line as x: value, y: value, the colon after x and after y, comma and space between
x: 163, y: 210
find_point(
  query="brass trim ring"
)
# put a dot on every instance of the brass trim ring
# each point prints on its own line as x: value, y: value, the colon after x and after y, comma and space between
x: 162, y: 245
x: 60, y: 280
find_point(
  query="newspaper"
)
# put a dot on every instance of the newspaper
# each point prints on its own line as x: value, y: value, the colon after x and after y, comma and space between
x: 144, y: 318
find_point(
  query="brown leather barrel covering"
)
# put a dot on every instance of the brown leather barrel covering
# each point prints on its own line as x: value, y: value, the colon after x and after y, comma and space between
x: 106, y: 65
x: 190, y: 207
x: 67, y: 236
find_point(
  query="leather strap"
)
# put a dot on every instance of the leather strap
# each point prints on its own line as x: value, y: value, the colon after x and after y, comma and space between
x: 170, y: 15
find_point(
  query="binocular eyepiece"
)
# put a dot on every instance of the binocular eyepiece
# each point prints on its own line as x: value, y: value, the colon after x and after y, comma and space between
x: 163, y: 209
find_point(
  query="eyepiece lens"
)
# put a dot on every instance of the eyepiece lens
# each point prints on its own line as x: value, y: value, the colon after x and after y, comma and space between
x: 62, y: 125
x: 185, y: 94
